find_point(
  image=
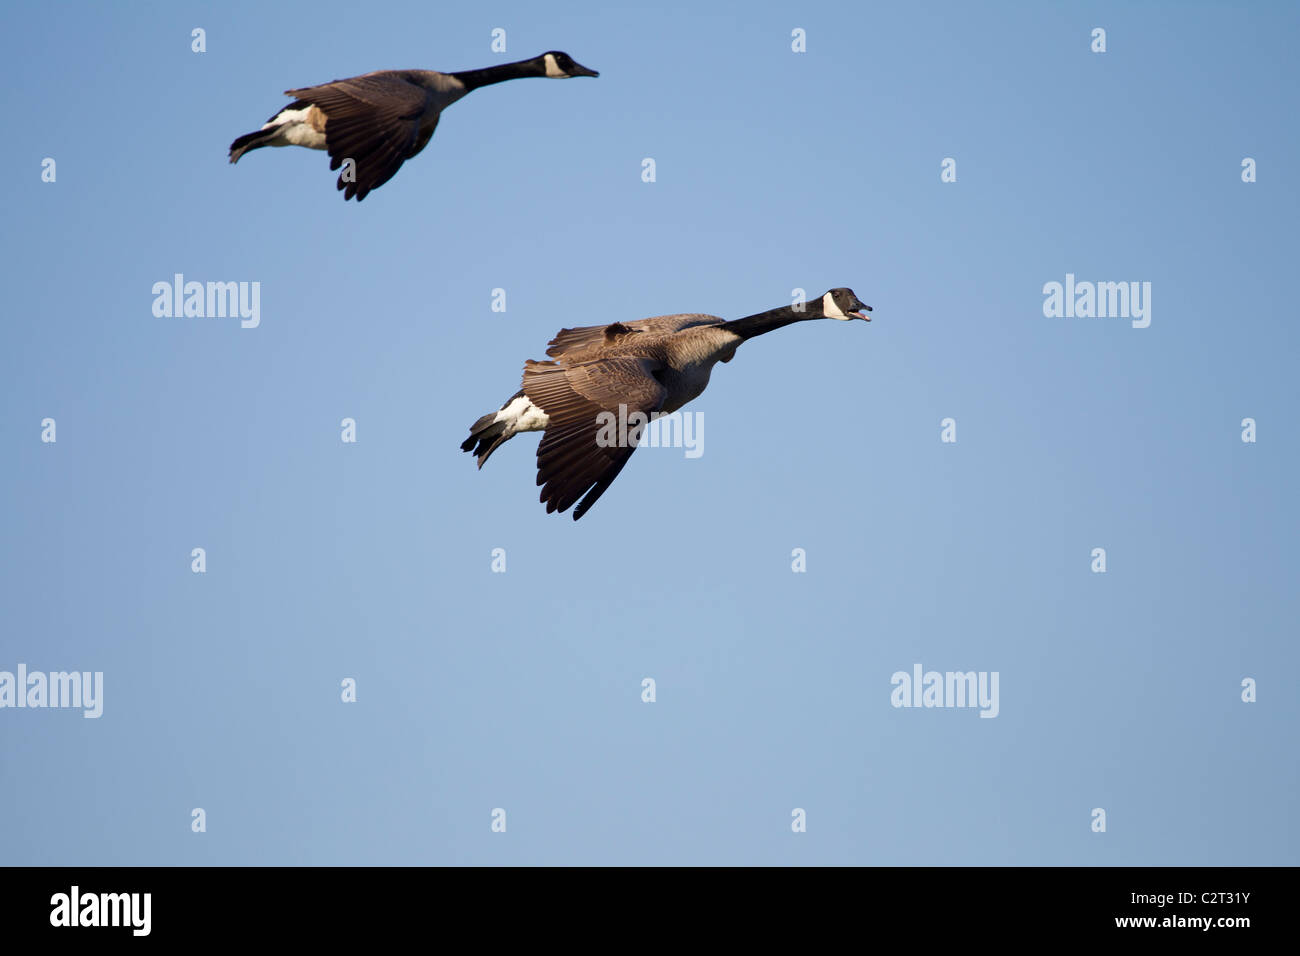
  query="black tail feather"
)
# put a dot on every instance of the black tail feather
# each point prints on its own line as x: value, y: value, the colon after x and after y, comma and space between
x: 247, y: 142
x: 486, y: 436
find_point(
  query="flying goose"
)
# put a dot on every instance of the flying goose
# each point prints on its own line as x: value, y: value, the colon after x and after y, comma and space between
x: 380, y: 120
x: 601, y: 373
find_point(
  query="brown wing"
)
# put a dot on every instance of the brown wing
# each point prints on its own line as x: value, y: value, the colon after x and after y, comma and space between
x: 592, y: 431
x: 374, y: 120
x: 575, y: 340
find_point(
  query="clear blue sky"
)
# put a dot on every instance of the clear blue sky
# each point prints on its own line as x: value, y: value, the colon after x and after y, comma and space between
x: 522, y: 690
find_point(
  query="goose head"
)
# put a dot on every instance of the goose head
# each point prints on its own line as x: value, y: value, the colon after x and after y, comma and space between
x: 561, y: 66
x: 842, y: 304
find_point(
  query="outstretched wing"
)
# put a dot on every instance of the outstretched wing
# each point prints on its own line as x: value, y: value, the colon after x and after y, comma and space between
x: 575, y: 340
x: 374, y: 120
x: 592, y: 429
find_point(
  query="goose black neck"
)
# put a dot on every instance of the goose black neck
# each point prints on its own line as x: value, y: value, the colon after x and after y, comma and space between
x: 753, y: 325
x: 473, y: 79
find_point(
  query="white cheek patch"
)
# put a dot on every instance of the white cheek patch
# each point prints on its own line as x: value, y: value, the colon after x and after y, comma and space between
x: 553, y: 69
x: 831, y: 310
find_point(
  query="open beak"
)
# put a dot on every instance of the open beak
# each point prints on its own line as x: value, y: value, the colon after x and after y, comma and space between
x: 580, y: 70
x: 859, y: 315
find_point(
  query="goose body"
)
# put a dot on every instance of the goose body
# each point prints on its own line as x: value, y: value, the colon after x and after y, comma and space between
x: 380, y: 120
x: 651, y: 366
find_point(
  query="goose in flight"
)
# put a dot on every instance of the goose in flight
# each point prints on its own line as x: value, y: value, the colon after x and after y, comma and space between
x: 380, y: 120
x: 603, y: 374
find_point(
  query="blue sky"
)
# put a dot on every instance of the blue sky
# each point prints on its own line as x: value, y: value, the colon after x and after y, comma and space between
x: 522, y: 690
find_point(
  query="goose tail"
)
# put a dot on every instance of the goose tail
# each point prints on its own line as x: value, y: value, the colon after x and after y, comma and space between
x: 488, y: 434
x: 249, y: 141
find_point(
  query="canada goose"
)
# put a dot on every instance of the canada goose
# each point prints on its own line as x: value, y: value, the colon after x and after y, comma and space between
x: 602, y: 372
x: 380, y: 120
